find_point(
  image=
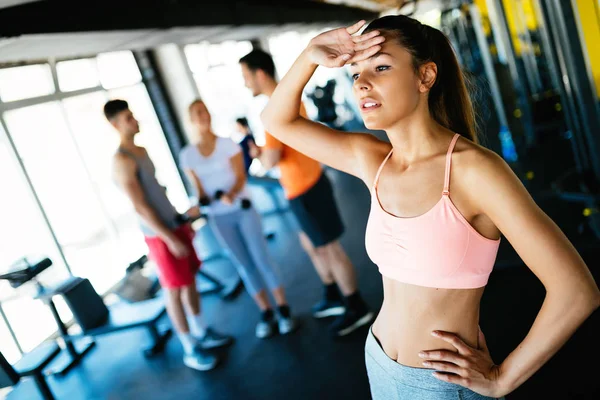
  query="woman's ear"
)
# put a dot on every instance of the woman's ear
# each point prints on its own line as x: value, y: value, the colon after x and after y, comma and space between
x: 428, y: 72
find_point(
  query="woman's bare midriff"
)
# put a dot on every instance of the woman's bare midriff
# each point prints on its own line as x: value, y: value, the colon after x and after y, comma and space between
x: 410, y: 313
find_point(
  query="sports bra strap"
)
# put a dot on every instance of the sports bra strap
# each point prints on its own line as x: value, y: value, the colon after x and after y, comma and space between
x: 381, y: 168
x: 448, y: 163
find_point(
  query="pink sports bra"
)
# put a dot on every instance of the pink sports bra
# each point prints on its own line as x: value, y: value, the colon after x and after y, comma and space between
x: 437, y: 249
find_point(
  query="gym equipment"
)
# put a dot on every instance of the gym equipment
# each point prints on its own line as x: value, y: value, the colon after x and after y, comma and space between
x: 32, y: 365
x: 559, y: 109
x: 24, y: 271
x: 579, y: 187
x: 322, y: 97
x: 95, y: 318
x: 89, y: 311
x: 135, y: 286
x: 580, y: 184
x: 464, y: 26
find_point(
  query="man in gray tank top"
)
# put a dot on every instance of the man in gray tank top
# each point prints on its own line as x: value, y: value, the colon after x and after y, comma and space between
x: 168, y: 237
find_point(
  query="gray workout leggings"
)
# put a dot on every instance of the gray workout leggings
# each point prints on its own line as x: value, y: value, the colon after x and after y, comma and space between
x: 392, y: 381
x: 241, y: 233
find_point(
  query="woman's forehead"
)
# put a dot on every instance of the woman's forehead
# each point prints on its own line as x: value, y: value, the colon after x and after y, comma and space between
x: 389, y: 51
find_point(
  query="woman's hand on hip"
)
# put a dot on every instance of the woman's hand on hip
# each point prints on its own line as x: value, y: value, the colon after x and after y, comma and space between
x: 338, y: 47
x: 470, y: 367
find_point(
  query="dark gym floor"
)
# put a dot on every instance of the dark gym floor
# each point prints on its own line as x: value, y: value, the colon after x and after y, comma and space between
x: 308, y: 364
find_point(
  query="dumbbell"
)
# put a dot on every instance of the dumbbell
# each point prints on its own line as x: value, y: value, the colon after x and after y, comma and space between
x: 182, y: 219
x: 204, y: 201
x: 245, y: 203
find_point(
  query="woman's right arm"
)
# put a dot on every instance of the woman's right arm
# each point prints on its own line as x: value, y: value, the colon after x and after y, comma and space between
x: 282, y: 119
x: 185, y: 163
x: 195, y: 181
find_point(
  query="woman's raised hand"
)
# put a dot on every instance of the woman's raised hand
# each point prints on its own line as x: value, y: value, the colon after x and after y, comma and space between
x: 339, y: 47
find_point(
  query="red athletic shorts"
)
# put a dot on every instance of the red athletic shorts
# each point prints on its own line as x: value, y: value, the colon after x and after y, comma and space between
x: 174, y: 272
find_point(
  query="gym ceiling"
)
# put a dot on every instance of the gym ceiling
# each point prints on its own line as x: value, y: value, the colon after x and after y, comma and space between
x: 35, y: 30
x: 38, y: 29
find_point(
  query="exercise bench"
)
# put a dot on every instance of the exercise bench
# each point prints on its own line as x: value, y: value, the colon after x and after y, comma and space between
x: 32, y: 364
x: 90, y: 312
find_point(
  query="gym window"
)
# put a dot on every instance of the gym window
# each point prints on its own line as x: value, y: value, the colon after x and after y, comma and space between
x: 19, y: 83
x: 59, y: 199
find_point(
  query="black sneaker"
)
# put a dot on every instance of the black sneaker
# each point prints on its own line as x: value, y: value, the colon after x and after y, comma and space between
x: 328, y: 308
x: 350, y: 321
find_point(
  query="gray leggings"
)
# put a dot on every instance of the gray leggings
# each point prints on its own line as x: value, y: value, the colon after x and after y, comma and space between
x: 390, y: 380
x: 241, y: 233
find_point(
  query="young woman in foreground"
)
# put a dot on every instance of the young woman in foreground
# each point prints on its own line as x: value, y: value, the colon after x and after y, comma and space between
x: 439, y: 204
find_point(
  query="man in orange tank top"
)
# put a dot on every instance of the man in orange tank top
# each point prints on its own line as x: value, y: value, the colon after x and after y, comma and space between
x: 312, y: 202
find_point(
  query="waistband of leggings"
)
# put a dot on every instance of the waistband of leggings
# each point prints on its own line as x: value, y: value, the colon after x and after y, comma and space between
x: 421, y: 378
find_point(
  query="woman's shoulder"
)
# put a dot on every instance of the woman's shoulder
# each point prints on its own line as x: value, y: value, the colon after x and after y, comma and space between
x: 474, y: 163
x: 468, y: 154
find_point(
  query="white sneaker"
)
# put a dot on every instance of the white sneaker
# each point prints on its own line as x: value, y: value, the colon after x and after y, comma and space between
x: 265, y: 329
x: 287, y: 325
x: 200, y: 360
x: 213, y: 339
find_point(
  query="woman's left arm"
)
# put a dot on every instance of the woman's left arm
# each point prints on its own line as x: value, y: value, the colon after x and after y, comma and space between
x: 571, y: 292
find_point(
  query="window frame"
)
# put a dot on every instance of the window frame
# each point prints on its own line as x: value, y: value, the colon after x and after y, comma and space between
x: 57, y: 96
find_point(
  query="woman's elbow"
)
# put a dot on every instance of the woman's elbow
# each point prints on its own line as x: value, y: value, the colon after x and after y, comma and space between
x: 588, y: 299
x: 275, y: 119
x: 268, y: 120
x: 595, y: 300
